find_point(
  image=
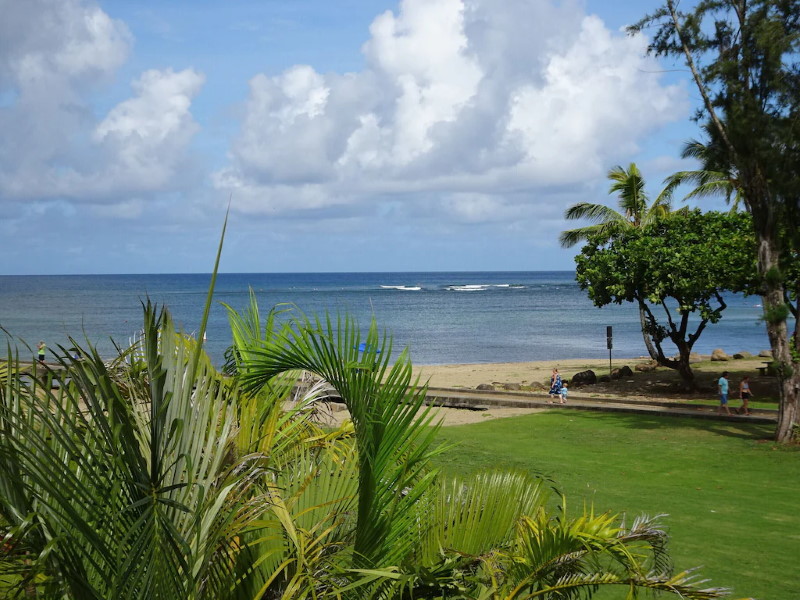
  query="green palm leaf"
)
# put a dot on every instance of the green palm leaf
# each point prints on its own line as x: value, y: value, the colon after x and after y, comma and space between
x: 476, y: 514
x: 393, y: 442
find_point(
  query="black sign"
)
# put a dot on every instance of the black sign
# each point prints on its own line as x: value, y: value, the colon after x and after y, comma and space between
x: 609, y: 336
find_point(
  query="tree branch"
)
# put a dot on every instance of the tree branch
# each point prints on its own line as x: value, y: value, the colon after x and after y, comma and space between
x: 699, y: 81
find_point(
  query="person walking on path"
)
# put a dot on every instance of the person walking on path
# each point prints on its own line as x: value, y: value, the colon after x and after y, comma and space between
x: 564, y: 393
x: 745, y: 395
x: 41, y: 348
x: 722, y: 386
x: 555, y: 385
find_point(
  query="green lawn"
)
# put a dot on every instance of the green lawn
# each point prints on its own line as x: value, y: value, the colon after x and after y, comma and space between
x: 732, y: 496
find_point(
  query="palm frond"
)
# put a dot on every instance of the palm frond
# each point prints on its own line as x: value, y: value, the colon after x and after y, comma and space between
x: 475, y: 514
x: 629, y: 186
x: 393, y: 440
x: 597, y: 213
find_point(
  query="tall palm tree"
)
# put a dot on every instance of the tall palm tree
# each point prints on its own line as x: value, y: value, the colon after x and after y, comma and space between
x: 635, y: 211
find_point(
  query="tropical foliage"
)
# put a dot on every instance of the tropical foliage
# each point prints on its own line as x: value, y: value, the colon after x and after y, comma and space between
x: 683, y: 264
x: 155, y: 476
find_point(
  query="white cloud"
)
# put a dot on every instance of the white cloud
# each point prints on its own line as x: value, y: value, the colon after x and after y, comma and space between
x: 486, y: 106
x: 148, y: 134
x: 47, y: 41
x: 53, y: 55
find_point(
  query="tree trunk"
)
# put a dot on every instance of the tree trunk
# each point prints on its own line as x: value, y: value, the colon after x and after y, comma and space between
x: 687, y: 375
x: 648, y: 342
x: 775, y: 313
x: 684, y: 368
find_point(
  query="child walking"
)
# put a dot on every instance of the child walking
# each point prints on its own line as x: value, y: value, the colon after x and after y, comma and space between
x: 563, y: 393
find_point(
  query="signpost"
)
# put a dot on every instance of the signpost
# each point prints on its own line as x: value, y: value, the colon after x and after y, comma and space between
x: 609, y: 345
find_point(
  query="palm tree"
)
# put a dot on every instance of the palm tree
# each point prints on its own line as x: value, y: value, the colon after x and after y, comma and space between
x: 634, y: 211
x: 716, y: 177
x: 633, y: 203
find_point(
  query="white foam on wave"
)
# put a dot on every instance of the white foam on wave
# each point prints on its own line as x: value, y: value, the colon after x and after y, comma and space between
x: 480, y: 287
x: 403, y: 288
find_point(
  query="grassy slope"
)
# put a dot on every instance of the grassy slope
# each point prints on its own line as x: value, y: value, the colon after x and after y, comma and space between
x: 731, y: 496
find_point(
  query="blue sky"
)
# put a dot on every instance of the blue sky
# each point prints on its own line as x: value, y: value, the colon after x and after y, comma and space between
x: 349, y: 136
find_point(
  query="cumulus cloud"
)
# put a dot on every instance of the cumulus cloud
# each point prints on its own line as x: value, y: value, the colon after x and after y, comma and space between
x: 53, y: 56
x: 480, y: 105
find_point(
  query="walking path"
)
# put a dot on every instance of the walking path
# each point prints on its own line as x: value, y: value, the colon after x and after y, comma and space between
x: 480, y: 400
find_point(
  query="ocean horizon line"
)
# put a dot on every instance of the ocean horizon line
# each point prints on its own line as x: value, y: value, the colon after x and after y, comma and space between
x: 172, y: 274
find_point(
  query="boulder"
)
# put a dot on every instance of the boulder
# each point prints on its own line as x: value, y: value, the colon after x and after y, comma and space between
x: 603, y: 379
x: 742, y: 354
x: 615, y: 374
x: 694, y: 357
x: 485, y: 387
x: 644, y: 367
x: 765, y: 354
x: 512, y: 387
x: 719, y: 355
x: 625, y: 371
x: 584, y: 378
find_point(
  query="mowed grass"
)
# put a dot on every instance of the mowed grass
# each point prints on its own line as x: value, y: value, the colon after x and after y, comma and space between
x: 732, y: 496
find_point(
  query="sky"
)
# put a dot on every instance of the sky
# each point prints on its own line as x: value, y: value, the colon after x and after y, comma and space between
x: 356, y: 135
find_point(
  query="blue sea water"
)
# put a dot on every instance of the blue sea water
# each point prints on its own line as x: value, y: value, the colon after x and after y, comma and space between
x: 457, y: 317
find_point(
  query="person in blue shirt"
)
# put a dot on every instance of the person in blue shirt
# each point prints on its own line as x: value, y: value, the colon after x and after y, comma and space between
x: 722, y: 386
x: 564, y: 392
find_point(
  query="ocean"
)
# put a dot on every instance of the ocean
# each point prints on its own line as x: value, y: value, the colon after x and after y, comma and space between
x: 444, y: 318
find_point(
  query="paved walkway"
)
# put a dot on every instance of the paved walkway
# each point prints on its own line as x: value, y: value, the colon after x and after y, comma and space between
x: 477, y: 400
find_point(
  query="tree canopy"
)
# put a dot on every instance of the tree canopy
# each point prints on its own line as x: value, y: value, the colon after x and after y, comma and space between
x: 682, y: 263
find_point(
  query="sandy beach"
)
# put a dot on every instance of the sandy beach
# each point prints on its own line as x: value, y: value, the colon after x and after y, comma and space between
x: 534, y: 376
x: 523, y: 373
x: 469, y: 376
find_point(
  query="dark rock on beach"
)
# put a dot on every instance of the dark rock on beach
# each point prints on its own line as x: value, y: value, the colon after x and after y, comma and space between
x: 621, y: 372
x: 584, y: 378
x: 485, y: 387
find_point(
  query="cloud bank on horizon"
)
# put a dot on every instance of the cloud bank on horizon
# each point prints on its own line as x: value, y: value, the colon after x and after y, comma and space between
x: 466, y: 115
